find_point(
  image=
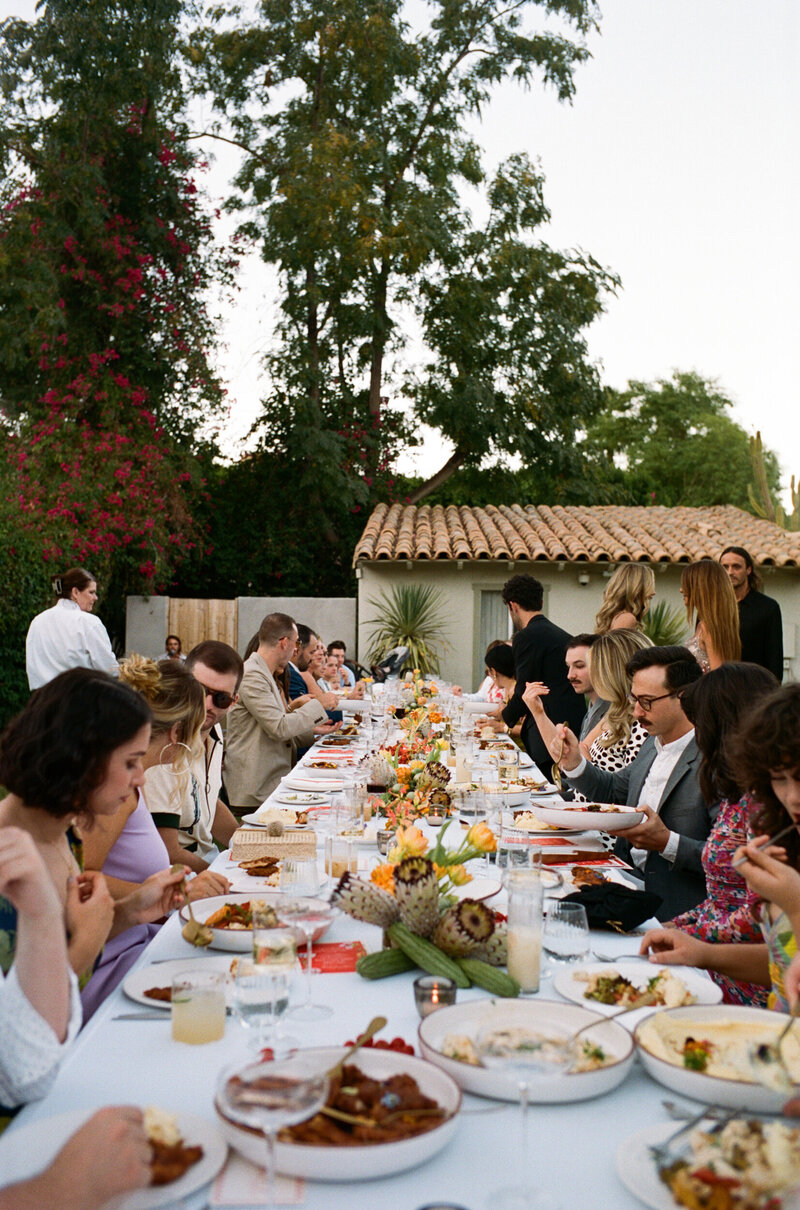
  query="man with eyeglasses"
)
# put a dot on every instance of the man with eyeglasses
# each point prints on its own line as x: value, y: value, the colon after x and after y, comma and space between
x: 661, y: 781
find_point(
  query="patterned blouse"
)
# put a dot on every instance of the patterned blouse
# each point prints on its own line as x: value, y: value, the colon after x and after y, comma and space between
x: 782, y: 948
x: 617, y: 756
x: 729, y: 913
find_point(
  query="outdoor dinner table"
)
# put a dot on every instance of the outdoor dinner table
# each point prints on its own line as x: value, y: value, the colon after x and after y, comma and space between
x: 571, y: 1149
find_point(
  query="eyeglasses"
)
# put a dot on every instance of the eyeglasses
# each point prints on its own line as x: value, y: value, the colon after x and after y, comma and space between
x: 219, y: 697
x: 646, y: 703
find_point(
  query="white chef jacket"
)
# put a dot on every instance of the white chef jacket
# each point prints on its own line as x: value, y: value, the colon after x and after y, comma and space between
x: 66, y: 637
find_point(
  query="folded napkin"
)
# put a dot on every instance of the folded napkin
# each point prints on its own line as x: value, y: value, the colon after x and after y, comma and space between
x: 615, y: 907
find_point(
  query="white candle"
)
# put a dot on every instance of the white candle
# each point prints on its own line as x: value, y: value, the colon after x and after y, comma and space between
x: 525, y: 955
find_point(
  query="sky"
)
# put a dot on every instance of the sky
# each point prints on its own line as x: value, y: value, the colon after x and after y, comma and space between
x: 678, y: 167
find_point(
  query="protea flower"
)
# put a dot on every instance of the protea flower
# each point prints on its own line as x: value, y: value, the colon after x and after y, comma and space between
x: 495, y: 950
x: 463, y: 928
x: 416, y: 890
x: 365, y: 901
x: 434, y: 774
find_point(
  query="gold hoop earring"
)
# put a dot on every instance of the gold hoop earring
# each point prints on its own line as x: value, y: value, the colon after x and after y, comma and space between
x: 168, y: 767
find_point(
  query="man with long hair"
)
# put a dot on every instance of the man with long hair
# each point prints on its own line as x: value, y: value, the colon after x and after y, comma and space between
x: 760, y: 623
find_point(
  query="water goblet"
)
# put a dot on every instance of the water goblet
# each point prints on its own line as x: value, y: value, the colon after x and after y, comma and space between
x: 260, y: 997
x: 565, y: 936
x: 307, y: 914
x: 269, y: 1096
x: 525, y: 1055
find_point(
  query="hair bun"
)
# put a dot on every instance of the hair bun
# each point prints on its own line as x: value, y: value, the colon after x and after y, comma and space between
x: 142, y: 675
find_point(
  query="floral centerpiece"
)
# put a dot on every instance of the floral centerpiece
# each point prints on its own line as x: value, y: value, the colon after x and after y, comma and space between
x: 416, y: 781
x: 410, y: 896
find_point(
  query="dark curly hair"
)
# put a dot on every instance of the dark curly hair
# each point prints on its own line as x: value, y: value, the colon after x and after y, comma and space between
x: 525, y: 591
x: 56, y: 751
x: 717, y: 703
x: 768, y: 740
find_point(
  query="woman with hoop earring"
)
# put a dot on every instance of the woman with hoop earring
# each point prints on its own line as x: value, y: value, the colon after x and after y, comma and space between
x: 128, y: 846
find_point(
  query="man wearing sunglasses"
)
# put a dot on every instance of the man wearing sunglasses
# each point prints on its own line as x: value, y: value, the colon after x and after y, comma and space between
x: 661, y: 781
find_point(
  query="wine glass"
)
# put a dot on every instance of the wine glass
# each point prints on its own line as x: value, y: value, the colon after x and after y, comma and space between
x: 272, y: 1095
x: 565, y: 936
x: 300, y: 878
x: 524, y: 1055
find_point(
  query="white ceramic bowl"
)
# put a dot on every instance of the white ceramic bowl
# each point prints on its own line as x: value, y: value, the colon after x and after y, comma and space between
x: 470, y: 1017
x: 580, y: 816
x: 745, y: 1094
x: 365, y: 1162
x: 240, y: 941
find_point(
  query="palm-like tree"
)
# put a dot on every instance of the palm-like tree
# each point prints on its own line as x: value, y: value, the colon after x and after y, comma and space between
x: 409, y: 616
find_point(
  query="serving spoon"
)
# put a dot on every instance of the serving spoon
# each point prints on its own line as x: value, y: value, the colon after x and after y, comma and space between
x: 192, y: 931
x: 768, y: 1063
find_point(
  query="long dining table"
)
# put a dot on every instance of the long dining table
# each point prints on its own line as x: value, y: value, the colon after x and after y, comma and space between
x: 571, y: 1147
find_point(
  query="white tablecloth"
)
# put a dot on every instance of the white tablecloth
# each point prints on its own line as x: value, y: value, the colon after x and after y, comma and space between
x: 571, y: 1147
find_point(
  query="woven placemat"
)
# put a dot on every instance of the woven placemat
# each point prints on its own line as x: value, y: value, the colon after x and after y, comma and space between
x: 254, y: 842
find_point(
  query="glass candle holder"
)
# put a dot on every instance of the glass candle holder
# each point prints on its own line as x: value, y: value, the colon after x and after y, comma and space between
x: 384, y: 841
x: 432, y: 992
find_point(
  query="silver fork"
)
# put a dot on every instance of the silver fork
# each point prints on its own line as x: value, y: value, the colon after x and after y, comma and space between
x: 663, y: 1153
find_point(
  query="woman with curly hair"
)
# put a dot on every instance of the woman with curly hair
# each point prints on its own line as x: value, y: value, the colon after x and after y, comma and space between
x: 765, y: 758
x: 616, y: 739
x: 712, y: 607
x: 127, y: 846
x: 71, y: 757
x: 626, y: 599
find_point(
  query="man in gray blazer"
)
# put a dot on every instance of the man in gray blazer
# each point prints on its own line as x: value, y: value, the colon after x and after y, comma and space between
x: 666, y: 847
x: 263, y: 727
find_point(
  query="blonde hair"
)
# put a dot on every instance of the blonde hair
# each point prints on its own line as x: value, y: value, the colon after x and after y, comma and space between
x: 628, y: 591
x: 710, y: 599
x: 609, y: 657
x: 175, y: 699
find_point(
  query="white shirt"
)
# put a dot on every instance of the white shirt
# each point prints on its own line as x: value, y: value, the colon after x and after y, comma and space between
x: 66, y: 637
x: 31, y: 1052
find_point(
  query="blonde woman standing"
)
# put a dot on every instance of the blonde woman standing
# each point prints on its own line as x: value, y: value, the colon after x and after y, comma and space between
x: 626, y: 599
x: 712, y: 606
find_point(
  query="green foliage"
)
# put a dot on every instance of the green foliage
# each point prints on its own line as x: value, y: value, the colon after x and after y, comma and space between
x: 409, y: 616
x: 354, y: 128
x: 760, y: 492
x: 672, y: 442
x: 26, y: 592
x: 665, y: 626
x: 104, y: 265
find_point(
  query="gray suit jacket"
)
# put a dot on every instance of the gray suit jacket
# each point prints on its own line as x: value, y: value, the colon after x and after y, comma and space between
x: 681, y: 884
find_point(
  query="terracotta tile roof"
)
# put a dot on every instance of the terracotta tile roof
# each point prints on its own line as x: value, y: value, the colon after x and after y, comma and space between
x: 602, y: 533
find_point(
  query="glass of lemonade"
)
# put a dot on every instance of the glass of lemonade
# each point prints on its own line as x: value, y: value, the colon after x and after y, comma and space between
x: 198, y: 1006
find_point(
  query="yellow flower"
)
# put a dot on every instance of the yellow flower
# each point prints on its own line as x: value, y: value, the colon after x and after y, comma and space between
x: 458, y: 875
x: 410, y: 842
x: 481, y: 837
x: 383, y: 876
x: 417, y: 764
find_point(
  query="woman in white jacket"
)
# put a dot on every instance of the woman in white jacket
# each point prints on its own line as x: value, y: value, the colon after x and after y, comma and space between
x: 68, y: 635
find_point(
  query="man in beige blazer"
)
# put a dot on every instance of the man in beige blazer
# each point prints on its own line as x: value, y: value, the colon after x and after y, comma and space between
x: 262, y: 730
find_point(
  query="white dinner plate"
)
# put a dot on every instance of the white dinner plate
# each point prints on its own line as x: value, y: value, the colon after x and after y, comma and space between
x: 580, y: 816
x: 479, y: 888
x: 318, y: 785
x: 469, y: 1017
x: 327, y: 775
x: 296, y: 798
x: 701, y: 987
x: 255, y: 822
x: 638, y: 1171
x: 161, y: 974
x: 29, y: 1150
x: 238, y: 941
x: 366, y: 1161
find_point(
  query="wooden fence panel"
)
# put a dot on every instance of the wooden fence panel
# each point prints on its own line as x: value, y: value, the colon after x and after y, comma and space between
x: 196, y: 620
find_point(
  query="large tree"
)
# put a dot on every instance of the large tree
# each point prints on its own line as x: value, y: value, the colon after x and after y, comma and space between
x: 672, y: 442
x: 357, y: 162
x: 104, y: 272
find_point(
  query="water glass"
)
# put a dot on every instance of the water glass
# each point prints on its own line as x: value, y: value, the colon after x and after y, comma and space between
x: 341, y: 856
x: 260, y: 998
x: 566, y: 932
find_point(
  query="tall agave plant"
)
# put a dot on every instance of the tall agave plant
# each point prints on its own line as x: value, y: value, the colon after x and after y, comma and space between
x: 410, y: 615
x: 665, y: 626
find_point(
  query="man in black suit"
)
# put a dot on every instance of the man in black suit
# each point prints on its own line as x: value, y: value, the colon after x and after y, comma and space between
x: 760, y: 622
x: 539, y: 649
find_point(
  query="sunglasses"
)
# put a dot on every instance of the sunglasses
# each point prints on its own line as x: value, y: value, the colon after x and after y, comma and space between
x: 219, y: 697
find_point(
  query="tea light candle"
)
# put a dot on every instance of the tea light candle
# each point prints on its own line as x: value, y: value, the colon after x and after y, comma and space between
x: 384, y: 841
x: 435, y: 821
x: 432, y: 992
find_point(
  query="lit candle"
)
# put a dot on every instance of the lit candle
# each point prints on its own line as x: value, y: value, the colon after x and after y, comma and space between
x: 432, y: 992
